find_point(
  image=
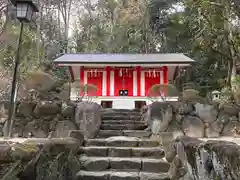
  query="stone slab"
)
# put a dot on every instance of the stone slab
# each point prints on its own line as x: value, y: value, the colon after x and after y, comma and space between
x: 153, y: 176
x: 116, y: 117
x: 122, y: 122
x: 86, y: 175
x: 111, y: 175
x: 125, y: 142
x: 123, y: 126
x: 120, y: 152
x: 148, y: 152
x: 155, y: 165
x: 148, y: 143
x: 94, y: 151
x: 125, y: 163
x: 93, y: 163
x: 137, y: 133
x: 122, y: 141
x: 124, y: 176
x: 109, y: 133
x: 95, y: 142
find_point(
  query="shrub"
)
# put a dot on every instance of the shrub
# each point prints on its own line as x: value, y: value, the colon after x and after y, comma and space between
x: 192, y: 95
x: 167, y: 89
x: 39, y: 80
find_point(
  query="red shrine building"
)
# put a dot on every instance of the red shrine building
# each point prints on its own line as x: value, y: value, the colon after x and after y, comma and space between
x: 122, y: 80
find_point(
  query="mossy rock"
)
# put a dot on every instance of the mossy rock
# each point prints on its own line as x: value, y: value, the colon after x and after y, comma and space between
x: 168, y: 89
x: 229, y: 108
x: 236, y: 96
x: 190, y: 94
x: 40, y: 81
x: 21, y: 151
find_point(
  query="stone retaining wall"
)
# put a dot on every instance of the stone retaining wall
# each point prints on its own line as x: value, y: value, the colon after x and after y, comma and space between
x: 40, y: 158
x: 194, y: 120
x: 52, y: 118
x: 195, y: 159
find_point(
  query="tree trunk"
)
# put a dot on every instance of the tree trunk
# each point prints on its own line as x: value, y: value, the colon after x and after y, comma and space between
x: 229, y: 76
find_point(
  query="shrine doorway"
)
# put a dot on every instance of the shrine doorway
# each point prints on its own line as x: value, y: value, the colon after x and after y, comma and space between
x: 124, y: 82
x: 139, y: 104
x: 106, y: 104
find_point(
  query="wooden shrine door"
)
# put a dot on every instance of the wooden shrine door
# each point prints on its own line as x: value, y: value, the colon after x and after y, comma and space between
x: 123, y: 80
x: 97, y: 80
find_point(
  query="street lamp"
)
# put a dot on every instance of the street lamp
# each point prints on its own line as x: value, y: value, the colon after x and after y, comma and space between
x: 24, y: 13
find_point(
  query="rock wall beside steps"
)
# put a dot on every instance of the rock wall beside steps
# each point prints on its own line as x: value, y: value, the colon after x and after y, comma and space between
x: 194, y: 120
x: 48, y: 118
x: 191, y: 158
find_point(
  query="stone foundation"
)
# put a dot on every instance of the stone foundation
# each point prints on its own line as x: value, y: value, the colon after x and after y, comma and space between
x: 52, y: 118
x: 194, y: 159
x: 40, y: 158
x: 194, y: 120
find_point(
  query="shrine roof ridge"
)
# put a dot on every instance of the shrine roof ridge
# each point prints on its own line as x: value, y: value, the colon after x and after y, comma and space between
x: 123, y: 58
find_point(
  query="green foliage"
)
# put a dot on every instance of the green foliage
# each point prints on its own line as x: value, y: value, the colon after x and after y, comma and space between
x: 46, y: 166
x: 206, y: 31
x: 90, y: 88
x: 39, y: 81
x: 231, y: 95
x: 119, y: 27
x: 192, y: 96
x: 14, y: 170
x: 168, y: 90
x: 226, y: 95
x: 30, y: 59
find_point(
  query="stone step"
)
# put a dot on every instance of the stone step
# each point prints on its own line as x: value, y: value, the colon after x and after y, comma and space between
x: 120, y: 111
x: 104, y: 151
x: 130, y: 133
x: 122, y: 122
x: 113, y: 175
x: 110, y: 113
x: 119, y: 163
x: 121, y: 117
x: 123, y: 127
x: 122, y: 141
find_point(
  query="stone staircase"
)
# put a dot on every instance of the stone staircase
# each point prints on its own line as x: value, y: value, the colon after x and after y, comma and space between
x: 123, y: 151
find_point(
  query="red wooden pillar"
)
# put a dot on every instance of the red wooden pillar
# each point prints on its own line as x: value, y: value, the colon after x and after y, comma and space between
x: 108, y: 73
x: 165, y: 79
x: 165, y: 74
x: 82, y: 75
x: 81, y: 79
x: 138, y: 68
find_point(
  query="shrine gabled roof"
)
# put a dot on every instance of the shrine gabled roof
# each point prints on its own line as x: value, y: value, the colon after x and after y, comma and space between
x: 97, y: 58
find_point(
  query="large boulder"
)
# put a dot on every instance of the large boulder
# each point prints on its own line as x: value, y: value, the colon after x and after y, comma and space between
x: 161, y: 114
x: 217, y: 126
x: 25, y: 109
x: 229, y: 109
x: 63, y: 128
x: 206, y: 112
x: 193, y: 126
x: 194, y: 159
x: 44, y: 108
x: 211, y: 133
x: 231, y: 129
x: 88, y: 118
x: 186, y: 108
x: 223, y: 117
x: 175, y: 128
x: 157, y: 109
x: 34, y: 129
x: 68, y: 110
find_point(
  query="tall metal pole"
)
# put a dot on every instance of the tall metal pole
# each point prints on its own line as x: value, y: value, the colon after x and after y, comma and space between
x: 14, y: 89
